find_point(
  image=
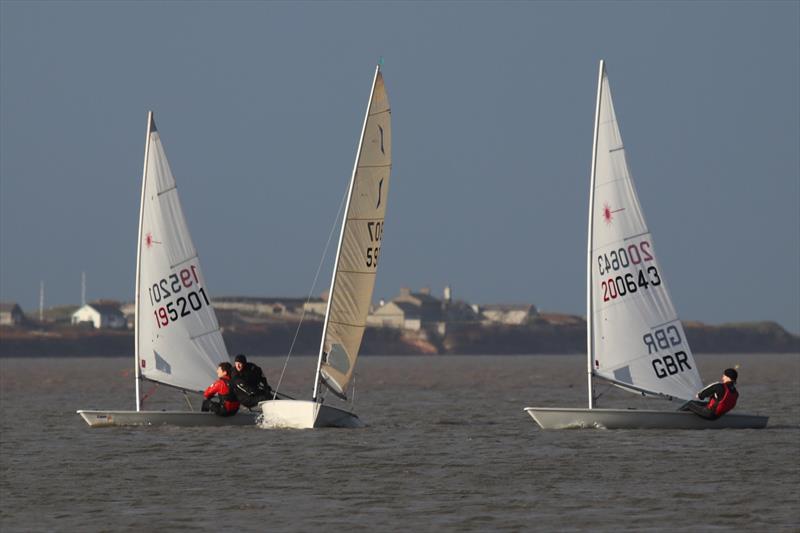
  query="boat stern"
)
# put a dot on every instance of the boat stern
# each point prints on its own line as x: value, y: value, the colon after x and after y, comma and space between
x: 301, y: 414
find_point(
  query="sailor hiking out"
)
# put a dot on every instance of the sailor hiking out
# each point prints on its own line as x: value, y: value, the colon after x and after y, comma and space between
x: 716, y: 399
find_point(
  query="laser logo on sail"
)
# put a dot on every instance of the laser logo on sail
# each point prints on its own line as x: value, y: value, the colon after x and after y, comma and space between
x: 149, y: 241
x: 608, y: 213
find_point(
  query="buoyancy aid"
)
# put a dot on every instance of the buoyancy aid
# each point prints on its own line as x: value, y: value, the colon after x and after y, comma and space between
x: 222, y: 388
x: 720, y: 406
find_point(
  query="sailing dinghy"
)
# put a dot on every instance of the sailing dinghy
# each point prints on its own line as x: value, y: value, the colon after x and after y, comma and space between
x: 634, y: 337
x: 177, y: 338
x: 353, y: 277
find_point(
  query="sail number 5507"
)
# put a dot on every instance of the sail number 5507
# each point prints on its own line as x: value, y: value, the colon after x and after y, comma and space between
x: 375, y: 230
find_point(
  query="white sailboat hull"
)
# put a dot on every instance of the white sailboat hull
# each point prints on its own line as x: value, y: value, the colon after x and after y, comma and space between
x: 303, y: 414
x: 164, y: 418
x: 566, y: 418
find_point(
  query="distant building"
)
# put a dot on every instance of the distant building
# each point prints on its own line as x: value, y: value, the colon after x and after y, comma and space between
x: 417, y: 311
x: 508, y: 313
x: 103, y: 314
x: 400, y: 315
x: 11, y: 314
x: 316, y: 306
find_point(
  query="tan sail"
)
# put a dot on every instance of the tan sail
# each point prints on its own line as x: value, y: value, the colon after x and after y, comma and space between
x: 360, y: 244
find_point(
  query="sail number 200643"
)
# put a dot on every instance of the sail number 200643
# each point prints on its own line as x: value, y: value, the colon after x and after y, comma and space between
x: 614, y: 287
x: 186, y: 301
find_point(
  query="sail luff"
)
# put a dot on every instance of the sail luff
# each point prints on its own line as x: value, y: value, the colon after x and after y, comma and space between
x: 590, y: 244
x: 341, y: 237
x: 136, y: 310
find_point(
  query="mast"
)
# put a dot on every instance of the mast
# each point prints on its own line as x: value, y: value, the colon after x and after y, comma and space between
x: 341, y: 237
x: 136, y: 313
x: 590, y: 241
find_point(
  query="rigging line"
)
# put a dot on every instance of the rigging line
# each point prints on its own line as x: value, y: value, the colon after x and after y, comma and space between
x: 310, y: 293
x: 610, y: 386
x: 149, y: 393
x: 353, y: 393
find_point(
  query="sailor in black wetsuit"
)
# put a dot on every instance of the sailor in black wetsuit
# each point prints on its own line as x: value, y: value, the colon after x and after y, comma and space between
x: 249, y: 382
x: 721, y: 397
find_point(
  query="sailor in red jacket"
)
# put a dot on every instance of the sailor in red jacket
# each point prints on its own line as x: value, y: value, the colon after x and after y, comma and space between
x: 721, y: 397
x: 227, y: 404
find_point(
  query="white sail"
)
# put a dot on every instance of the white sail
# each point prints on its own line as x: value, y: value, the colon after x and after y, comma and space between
x: 636, y: 338
x: 178, y: 341
x: 359, y: 244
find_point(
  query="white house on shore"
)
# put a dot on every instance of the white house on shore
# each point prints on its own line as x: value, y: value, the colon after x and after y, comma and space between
x: 416, y: 311
x: 100, y: 315
x: 11, y: 314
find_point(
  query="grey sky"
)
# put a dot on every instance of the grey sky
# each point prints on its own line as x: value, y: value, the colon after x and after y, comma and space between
x: 260, y: 105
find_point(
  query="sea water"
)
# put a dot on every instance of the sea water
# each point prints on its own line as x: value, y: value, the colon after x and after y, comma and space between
x: 447, y: 447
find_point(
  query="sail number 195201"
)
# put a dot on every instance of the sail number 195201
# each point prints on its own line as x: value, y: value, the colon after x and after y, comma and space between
x: 184, y: 287
x: 373, y: 252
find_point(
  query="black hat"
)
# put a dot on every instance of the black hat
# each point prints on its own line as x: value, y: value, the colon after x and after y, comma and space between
x: 731, y: 373
x: 242, y: 359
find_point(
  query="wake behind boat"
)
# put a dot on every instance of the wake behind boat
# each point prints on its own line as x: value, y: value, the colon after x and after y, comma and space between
x: 353, y: 278
x: 635, y: 339
x: 177, y: 338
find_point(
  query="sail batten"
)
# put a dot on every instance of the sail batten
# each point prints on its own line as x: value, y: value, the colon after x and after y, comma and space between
x: 358, y: 253
x: 178, y: 341
x: 636, y: 340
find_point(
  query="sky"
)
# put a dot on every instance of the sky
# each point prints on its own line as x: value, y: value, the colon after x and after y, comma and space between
x: 260, y: 105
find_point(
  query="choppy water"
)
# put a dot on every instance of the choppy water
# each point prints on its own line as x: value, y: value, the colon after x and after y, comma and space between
x: 448, y: 447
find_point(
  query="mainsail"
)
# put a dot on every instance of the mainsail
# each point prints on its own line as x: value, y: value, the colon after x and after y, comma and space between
x: 359, y: 245
x: 636, y: 339
x: 178, y: 341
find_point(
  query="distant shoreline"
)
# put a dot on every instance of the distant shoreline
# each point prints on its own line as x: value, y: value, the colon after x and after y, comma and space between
x: 566, y: 336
